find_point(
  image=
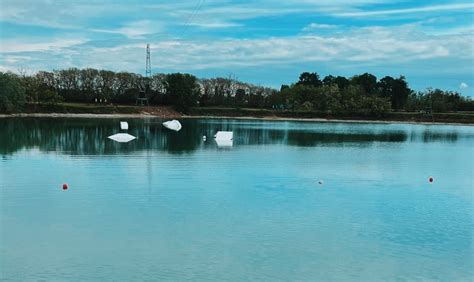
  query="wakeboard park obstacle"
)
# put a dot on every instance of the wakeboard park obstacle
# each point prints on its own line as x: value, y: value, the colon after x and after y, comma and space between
x: 122, y: 137
x: 173, y: 125
x: 224, y: 138
x: 124, y: 125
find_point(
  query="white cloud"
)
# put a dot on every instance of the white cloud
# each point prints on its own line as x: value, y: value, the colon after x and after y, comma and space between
x: 81, y: 14
x: 29, y: 45
x: 52, y: 14
x: 316, y: 26
x: 139, y: 28
x: 214, y: 24
x: 369, y: 45
x: 16, y: 59
x: 134, y: 30
x: 9, y: 69
x: 463, y: 85
x: 375, y: 45
x: 424, y: 9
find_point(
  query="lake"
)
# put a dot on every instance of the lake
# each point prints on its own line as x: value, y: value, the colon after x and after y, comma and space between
x: 287, y: 201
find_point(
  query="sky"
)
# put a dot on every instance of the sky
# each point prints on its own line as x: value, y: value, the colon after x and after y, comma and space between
x: 264, y: 42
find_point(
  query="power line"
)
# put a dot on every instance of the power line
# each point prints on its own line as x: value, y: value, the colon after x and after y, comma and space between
x: 191, y: 17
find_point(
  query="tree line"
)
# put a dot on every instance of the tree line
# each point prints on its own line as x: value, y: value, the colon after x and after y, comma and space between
x: 364, y: 94
x: 360, y: 94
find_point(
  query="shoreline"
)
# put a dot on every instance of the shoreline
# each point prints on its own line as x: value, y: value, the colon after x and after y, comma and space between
x: 268, y: 118
x: 332, y: 120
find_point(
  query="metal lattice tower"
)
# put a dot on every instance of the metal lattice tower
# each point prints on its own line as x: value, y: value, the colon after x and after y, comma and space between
x: 142, y: 98
x: 148, y: 63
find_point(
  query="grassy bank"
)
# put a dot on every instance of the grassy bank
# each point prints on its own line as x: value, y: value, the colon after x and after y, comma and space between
x: 168, y: 112
x: 455, y: 117
x: 97, y: 109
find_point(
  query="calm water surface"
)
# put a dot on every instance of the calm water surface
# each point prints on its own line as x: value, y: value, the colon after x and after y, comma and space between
x: 170, y: 206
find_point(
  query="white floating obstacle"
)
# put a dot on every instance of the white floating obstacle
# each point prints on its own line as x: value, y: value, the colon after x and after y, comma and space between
x: 224, y: 143
x: 224, y: 138
x: 124, y: 125
x: 204, y: 138
x: 173, y: 125
x: 122, y: 137
x: 224, y: 135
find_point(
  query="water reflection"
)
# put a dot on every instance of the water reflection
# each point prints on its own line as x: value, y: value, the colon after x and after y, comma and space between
x: 301, y: 138
x: 430, y: 136
x: 89, y: 136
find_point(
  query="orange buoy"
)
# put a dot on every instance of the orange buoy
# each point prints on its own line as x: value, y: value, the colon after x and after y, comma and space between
x: 65, y: 186
x: 430, y: 179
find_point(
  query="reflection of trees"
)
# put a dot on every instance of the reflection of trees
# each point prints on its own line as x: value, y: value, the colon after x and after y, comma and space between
x: 319, y: 138
x: 430, y: 136
x: 89, y: 136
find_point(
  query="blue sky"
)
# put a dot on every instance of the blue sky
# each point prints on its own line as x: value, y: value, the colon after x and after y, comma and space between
x: 263, y: 42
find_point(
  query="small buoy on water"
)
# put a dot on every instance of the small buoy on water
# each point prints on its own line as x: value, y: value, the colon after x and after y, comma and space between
x: 65, y: 186
x: 430, y: 179
x: 321, y: 182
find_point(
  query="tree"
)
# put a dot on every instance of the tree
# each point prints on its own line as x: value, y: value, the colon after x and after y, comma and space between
x: 182, y: 89
x: 256, y: 99
x: 309, y: 79
x: 396, y: 90
x: 89, y: 83
x: 12, y: 92
x: 105, y: 84
x: 367, y: 81
x: 385, y: 86
x: 400, y: 93
x: 240, y: 97
x: 31, y: 85
x: 47, y: 78
x: 68, y: 82
x: 341, y: 82
x: 438, y: 100
x: 329, y: 80
x: 126, y: 87
x: 48, y: 95
x: 328, y: 99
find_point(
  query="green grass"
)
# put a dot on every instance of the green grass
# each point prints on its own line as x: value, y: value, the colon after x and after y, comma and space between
x: 82, y: 108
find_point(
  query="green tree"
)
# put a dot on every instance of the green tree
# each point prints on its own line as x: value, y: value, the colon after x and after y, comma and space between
x: 12, y: 93
x: 309, y: 79
x: 89, y: 85
x: 400, y: 93
x: 182, y: 90
x: 341, y: 82
x: 329, y: 80
x: 48, y: 94
x: 328, y: 99
x: 396, y: 90
x: 367, y: 81
x: 105, y: 84
x: 240, y: 97
x: 68, y: 82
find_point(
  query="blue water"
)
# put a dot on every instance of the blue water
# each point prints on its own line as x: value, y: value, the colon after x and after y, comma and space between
x: 170, y: 206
